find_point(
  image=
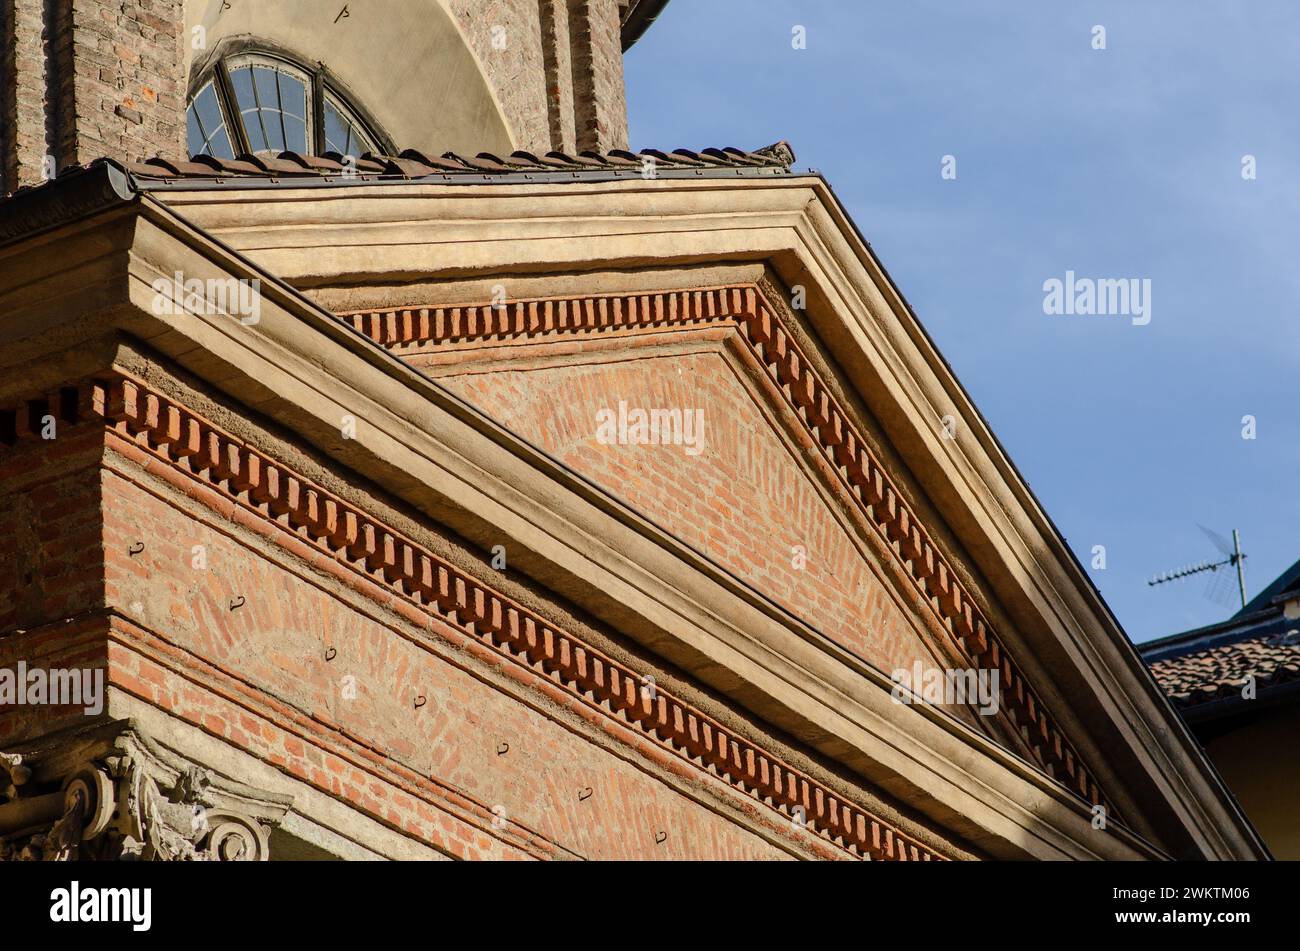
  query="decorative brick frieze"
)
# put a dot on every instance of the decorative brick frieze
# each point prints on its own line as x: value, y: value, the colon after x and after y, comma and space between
x: 415, y: 329
x: 283, y: 498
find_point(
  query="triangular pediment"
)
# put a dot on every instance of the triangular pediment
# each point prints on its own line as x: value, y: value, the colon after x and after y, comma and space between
x: 846, y: 378
x: 701, y: 411
x: 684, y: 437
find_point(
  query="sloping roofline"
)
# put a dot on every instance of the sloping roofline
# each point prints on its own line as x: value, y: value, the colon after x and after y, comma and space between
x: 120, y: 186
x: 1287, y: 581
x: 638, y: 18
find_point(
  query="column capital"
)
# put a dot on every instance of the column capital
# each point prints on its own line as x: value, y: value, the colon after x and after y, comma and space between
x: 110, y: 792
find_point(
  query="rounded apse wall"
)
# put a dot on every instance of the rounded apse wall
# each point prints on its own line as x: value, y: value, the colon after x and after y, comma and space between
x: 403, y: 64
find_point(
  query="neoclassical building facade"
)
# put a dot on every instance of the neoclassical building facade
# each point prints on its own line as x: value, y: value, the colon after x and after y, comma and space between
x: 424, y: 475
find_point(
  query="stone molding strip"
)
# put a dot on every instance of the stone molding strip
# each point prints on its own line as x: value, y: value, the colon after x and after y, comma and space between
x: 829, y: 424
x: 196, y: 446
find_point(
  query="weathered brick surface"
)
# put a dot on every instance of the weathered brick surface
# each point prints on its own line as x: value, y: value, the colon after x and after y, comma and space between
x: 121, y: 86
x: 559, y: 77
x: 500, y: 722
x: 23, y: 80
x: 445, y: 340
x: 557, y: 58
x: 744, y: 499
x: 75, y: 645
x: 276, y: 644
x: 51, y: 560
x: 82, y: 79
x: 51, y: 565
x: 598, y: 93
x: 517, y: 70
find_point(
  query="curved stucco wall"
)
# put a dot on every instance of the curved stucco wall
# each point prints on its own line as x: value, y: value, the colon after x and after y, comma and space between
x: 403, y: 61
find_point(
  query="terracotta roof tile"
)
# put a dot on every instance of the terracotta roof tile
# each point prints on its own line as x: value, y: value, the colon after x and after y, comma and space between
x: 1220, y: 671
x: 292, y: 169
x: 414, y: 165
x: 237, y: 166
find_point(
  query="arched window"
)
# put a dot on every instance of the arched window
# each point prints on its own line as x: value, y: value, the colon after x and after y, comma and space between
x: 266, y: 104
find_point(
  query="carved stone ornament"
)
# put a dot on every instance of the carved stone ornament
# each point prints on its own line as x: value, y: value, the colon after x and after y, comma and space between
x: 111, y: 793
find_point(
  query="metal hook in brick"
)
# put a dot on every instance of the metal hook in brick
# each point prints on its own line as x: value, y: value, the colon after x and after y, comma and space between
x: 236, y: 603
x: 503, y: 748
x: 584, y: 793
x: 420, y: 701
x: 135, y: 549
x: 330, y: 653
x: 661, y: 837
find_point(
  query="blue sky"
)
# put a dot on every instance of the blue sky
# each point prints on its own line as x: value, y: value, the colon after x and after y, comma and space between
x: 1122, y: 163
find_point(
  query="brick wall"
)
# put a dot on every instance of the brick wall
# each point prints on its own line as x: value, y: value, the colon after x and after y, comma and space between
x: 516, y: 70
x: 23, y: 81
x: 165, y: 551
x: 558, y: 62
x: 600, y: 104
x: 51, y: 561
x: 121, y: 84
x: 93, y: 531
x: 298, y: 714
x: 559, y: 77
x: 743, y: 499
x: 82, y: 79
x: 51, y: 565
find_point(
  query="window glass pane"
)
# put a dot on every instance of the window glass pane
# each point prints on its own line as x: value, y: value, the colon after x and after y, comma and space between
x: 295, y: 135
x: 219, y: 145
x: 273, y: 102
x: 207, y: 110
x: 336, y: 133
x: 204, y: 126
x: 274, y: 131
x: 293, y: 97
x: 342, y: 133
x: 242, y: 79
x: 194, y: 138
x: 264, y: 84
x: 293, y: 103
x: 253, y: 127
x: 273, y: 105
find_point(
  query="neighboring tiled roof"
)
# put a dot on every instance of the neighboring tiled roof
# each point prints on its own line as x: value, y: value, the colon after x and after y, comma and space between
x: 1284, y: 584
x: 1205, y: 669
x: 1193, y: 670
x: 412, y: 165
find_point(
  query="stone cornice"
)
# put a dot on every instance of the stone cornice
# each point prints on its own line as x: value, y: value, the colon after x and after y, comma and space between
x: 183, y: 439
x: 383, y: 247
x: 74, y: 195
x: 117, y: 794
x: 303, y: 368
x: 839, y: 438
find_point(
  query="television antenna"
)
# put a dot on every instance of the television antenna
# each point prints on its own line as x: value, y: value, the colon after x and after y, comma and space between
x: 1234, y: 557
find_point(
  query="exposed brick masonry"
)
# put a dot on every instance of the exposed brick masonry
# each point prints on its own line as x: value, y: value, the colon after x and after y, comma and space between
x: 600, y: 101
x: 194, y: 447
x: 23, y: 89
x: 559, y: 74
x: 840, y: 444
x: 122, y: 92
x: 85, y: 79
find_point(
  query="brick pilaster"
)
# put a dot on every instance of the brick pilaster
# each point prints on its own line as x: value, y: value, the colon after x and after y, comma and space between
x: 121, y: 86
x: 600, y: 103
x: 23, y: 88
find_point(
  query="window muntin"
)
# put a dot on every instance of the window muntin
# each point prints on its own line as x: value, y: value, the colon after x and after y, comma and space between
x: 343, y: 133
x: 264, y: 104
x: 272, y: 102
x: 206, y: 125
